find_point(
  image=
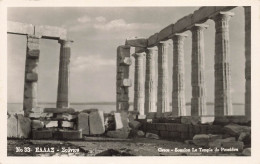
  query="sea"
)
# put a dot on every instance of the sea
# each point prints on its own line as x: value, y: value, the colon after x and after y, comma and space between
x: 108, y: 107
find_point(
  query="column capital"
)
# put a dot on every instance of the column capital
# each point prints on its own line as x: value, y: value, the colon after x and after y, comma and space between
x: 151, y: 49
x: 34, y: 36
x: 179, y: 36
x: 65, y: 43
x: 199, y: 27
x: 139, y: 54
x: 163, y: 43
x: 223, y: 16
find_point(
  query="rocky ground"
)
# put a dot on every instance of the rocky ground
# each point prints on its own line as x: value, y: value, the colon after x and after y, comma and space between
x: 101, y: 146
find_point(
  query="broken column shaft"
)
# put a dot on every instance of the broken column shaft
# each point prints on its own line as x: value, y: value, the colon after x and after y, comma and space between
x: 64, y: 70
x: 31, y: 74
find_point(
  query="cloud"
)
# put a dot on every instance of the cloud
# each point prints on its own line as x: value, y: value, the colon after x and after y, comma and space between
x: 84, y: 19
x: 93, y: 62
x: 101, y: 19
x: 121, y: 24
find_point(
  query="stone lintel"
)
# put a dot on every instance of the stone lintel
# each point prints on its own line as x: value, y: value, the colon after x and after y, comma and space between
x: 20, y: 28
x: 136, y: 42
x: 199, y: 16
x: 51, y: 32
x: 152, y: 40
x: 164, y: 33
x: 139, y: 50
x: 198, y: 25
x: 42, y: 31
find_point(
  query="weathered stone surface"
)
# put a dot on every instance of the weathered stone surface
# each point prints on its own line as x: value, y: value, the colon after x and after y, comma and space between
x: 233, y: 144
x: 96, y: 122
x: 20, y: 28
x: 89, y: 110
x: 65, y: 116
x: 218, y: 142
x: 245, y: 137
x: 235, y: 130
x: 42, y: 134
x: 12, y: 126
x: 40, y: 115
x: 51, y: 32
x: 152, y: 40
x: 139, y: 83
x: 182, y: 24
x: 195, y: 120
x: 126, y: 83
x: 23, y: 126
x: 118, y: 121
x: 67, y: 124
x: 68, y: 134
x: 247, y: 152
x: 165, y: 33
x: 136, y: 42
x: 163, y: 75
x: 140, y: 133
x: 118, y: 133
x: 51, y: 124
x: 31, y: 77
x: 83, y: 123
x: 37, y: 124
x: 178, y: 76
x: 152, y: 135
x: 204, y: 139
x: 59, y: 110
x: 223, y: 104
x: 134, y: 124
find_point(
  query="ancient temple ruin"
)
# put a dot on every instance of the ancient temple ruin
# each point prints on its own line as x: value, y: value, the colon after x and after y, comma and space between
x: 156, y: 44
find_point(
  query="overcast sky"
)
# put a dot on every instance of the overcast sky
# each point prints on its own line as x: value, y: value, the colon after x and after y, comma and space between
x: 96, y: 33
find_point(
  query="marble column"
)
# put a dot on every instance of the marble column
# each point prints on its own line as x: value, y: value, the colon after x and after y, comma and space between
x: 139, y: 83
x: 150, y: 88
x: 64, y: 70
x: 178, y: 81
x: 198, y: 100
x: 31, y: 74
x: 247, y: 10
x: 123, y: 82
x: 162, y: 92
x: 223, y: 103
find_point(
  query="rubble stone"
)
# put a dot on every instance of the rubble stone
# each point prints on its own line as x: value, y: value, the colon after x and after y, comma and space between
x: 37, y: 124
x: 134, y: 124
x: 96, y: 122
x: 83, y: 123
x: 233, y: 144
x: 218, y: 142
x: 42, y: 134
x: 118, y: 134
x: 118, y: 121
x: 204, y: 139
x: 247, y: 152
x: 51, y: 124
x: 23, y: 126
x: 12, y: 126
x: 151, y: 135
x: 67, y: 124
x: 235, y: 130
x: 59, y: 110
x: 66, y: 116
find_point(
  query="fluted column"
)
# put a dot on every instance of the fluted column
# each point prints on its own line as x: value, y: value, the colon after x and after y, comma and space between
x: 198, y: 100
x: 223, y: 104
x: 162, y: 92
x: 178, y: 88
x: 247, y: 11
x: 150, y: 88
x: 64, y: 70
x: 139, y: 83
x: 31, y: 74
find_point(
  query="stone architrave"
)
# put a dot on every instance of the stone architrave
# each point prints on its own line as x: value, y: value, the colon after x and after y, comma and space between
x: 162, y: 91
x: 64, y: 69
x: 178, y: 89
x: 223, y: 104
x: 139, y: 83
x: 247, y: 10
x: 198, y: 100
x: 150, y: 88
x: 123, y: 82
x: 31, y: 74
